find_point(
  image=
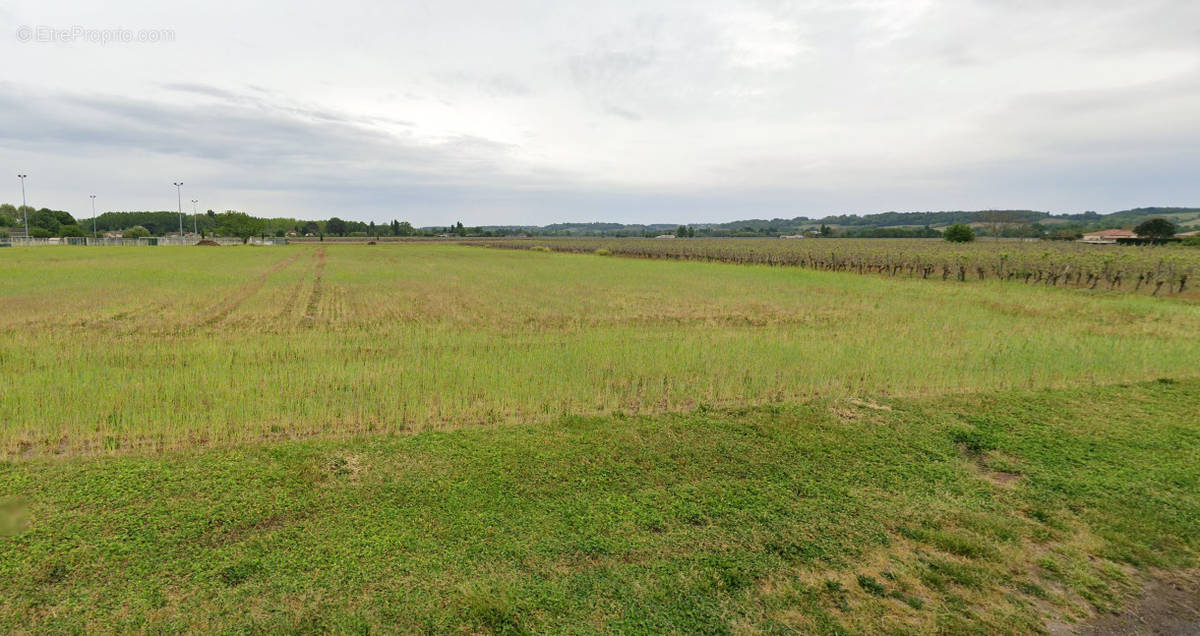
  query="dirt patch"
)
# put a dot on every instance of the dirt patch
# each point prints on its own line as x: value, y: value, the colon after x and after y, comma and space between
x: 1000, y: 477
x: 208, y: 243
x: 1169, y: 605
x: 869, y: 404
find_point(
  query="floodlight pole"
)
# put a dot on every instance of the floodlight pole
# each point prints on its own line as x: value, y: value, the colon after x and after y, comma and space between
x: 195, y: 219
x: 179, y: 200
x: 24, y: 207
x: 94, y: 234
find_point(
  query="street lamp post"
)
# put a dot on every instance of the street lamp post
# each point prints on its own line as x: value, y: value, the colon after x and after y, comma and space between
x: 24, y: 207
x: 195, y: 219
x: 94, y: 234
x: 179, y: 200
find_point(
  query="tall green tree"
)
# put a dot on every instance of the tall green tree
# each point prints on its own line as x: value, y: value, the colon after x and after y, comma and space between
x: 336, y: 226
x: 1156, y: 228
x: 959, y: 233
x: 239, y: 224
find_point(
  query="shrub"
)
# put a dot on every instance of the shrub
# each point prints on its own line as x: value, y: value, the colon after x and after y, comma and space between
x: 70, y: 230
x: 4, y: 234
x: 39, y: 232
x: 539, y: 248
x: 959, y: 233
x: 136, y: 231
x: 1193, y: 241
x: 603, y: 252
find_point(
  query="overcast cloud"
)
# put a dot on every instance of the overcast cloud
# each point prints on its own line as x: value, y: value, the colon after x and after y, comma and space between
x: 634, y: 111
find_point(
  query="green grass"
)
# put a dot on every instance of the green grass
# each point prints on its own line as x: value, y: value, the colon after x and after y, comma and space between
x: 444, y: 439
x: 159, y: 348
x: 959, y: 514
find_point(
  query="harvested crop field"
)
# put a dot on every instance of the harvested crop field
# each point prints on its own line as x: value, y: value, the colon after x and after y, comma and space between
x: 126, y: 347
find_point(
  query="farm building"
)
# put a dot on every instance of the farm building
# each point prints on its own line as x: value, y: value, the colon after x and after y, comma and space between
x: 1107, y: 236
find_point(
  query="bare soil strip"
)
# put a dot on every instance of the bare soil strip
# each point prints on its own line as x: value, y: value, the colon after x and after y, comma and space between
x: 314, y: 299
x: 1169, y: 605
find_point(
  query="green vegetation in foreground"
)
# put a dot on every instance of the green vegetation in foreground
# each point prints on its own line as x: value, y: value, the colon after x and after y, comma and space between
x: 179, y: 347
x: 963, y: 514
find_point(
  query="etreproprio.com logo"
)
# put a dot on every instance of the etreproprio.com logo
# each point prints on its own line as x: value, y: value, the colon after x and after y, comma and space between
x: 79, y: 34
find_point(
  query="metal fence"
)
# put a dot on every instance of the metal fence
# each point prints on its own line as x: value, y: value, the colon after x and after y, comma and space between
x: 130, y: 242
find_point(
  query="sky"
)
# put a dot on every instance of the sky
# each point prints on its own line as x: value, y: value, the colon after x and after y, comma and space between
x: 636, y: 111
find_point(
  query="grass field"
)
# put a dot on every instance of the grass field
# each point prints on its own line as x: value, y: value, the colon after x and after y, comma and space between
x: 962, y: 514
x: 424, y: 438
x: 129, y: 347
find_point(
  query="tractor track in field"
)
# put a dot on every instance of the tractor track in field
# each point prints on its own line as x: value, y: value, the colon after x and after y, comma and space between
x: 293, y: 298
x: 124, y: 316
x: 314, y: 297
x: 222, y: 310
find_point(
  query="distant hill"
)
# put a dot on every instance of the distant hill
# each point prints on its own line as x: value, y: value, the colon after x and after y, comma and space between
x: 899, y: 224
x: 884, y: 224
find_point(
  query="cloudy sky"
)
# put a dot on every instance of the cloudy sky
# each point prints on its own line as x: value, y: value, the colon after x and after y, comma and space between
x: 637, y: 111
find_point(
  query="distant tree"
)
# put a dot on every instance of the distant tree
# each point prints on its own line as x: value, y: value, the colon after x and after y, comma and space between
x: 826, y: 230
x: 371, y: 229
x: 70, y: 230
x: 959, y: 233
x: 239, y: 224
x: 1156, y: 228
x: 336, y: 226
x: 310, y: 227
x: 136, y: 231
x: 404, y: 228
x: 39, y: 232
x: 681, y: 232
x: 47, y: 220
x: 280, y: 233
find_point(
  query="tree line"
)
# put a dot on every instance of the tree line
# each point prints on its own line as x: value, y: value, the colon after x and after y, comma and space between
x: 43, y: 222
